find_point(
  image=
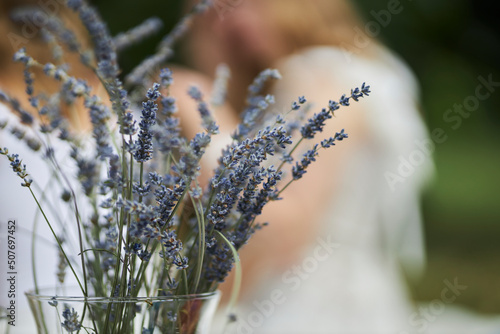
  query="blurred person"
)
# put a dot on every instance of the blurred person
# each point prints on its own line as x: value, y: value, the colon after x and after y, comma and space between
x: 331, y: 259
x: 333, y: 256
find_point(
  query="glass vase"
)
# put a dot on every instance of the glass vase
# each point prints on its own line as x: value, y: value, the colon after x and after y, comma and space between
x: 189, y: 314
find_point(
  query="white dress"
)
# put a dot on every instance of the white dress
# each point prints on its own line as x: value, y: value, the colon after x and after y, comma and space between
x: 350, y: 280
x: 16, y: 203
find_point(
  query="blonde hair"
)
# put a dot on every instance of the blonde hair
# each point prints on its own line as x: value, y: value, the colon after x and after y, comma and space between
x: 319, y: 22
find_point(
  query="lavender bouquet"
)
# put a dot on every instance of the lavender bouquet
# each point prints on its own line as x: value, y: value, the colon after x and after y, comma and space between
x: 153, y: 233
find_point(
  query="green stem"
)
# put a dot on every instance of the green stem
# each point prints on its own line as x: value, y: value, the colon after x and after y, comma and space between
x: 201, y: 245
x: 121, y: 222
x: 238, y: 274
x: 58, y: 242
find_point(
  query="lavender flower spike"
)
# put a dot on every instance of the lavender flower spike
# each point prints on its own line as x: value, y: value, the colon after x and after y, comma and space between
x: 101, y: 38
x: 144, y: 143
x: 258, y: 85
x: 208, y: 121
x: 71, y: 323
x: 17, y: 167
x: 137, y: 34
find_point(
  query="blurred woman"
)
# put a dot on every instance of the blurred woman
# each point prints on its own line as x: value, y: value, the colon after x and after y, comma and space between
x: 330, y: 260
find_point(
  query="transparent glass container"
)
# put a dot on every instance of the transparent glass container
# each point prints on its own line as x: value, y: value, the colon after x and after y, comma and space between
x: 189, y: 314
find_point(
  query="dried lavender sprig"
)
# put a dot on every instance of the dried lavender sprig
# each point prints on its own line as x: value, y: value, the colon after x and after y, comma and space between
x: 165, y: 50
x: 169, y: 107
x: 88, y: 172
x: 51, y: 110
x: 245, y: 202
x: 144, y: 142
x: 17, y: 132
x: 189, y: 163
x: 167, y: 134
x: 166, y: 78
x: 208, y: 121
x: 110, y: 244
x: 30, y: 89
x: 256, y: 104
x: 168, y: 202
x: 260, y: 81
x: 137, y: 34
x: 99, y: 113
x: 107, y: 64
x: 54, y: 115
x: 118, y: 97
x: 24, y: 116
x: 183, y: 26
x: 51, y: 23
x: 239, y: 162
x: 139, y: 74
x: 252, y: 202
x: 17, y: 167
x: 187, y: 168
x: 71, y: 323
x: 103, y: 43
x: 32, y: 143
x: 218, y: 263
x: 310, y: 156
x: 28, y: 62
x: 301, y: 113
x: 51, y: 40
x: 99, y: 116
x: 167, y: 199
x: 76, y: 88
x: 296, y: 105
x: 268, y: 192
x: 317, y: 122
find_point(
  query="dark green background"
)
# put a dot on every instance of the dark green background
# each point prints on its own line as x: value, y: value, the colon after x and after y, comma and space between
x: 448, y: 44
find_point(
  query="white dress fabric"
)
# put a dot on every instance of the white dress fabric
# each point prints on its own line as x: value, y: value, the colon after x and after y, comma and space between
x: 350, y: 280
x: 16, y: 203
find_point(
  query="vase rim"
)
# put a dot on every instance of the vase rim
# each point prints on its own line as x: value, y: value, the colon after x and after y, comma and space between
x: 44, y: 295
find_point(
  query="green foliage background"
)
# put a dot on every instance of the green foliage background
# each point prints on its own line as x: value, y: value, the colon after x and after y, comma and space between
x: 448, y: 44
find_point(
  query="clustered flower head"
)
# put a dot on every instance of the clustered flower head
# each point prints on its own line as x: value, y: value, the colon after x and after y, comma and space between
x: 318, y: 121
x: 17, y: 166
x: 71, y: 322
x: 208, y: 122
x: 257, y: 103
x: 144, y: 144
